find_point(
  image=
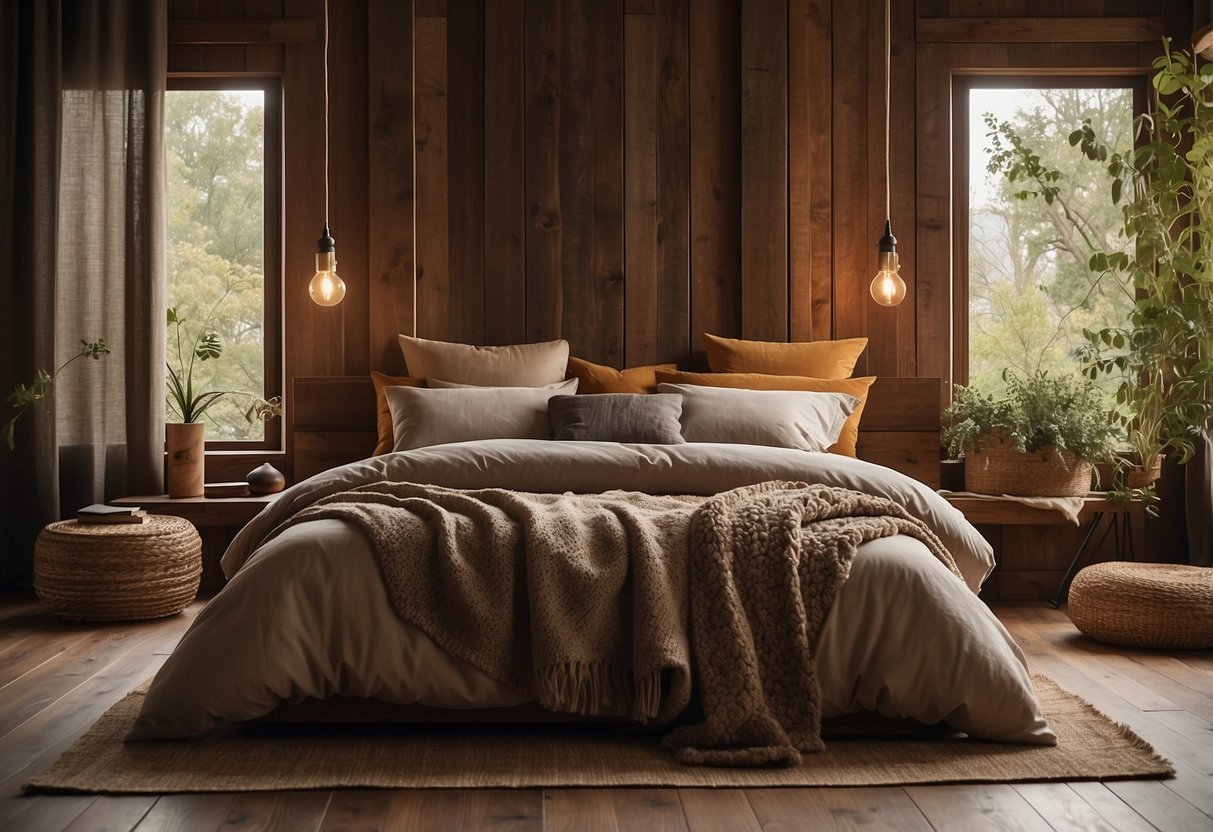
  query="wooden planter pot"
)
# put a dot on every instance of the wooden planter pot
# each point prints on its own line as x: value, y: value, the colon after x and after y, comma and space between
x: 998, y: 468
x: 185, y: 446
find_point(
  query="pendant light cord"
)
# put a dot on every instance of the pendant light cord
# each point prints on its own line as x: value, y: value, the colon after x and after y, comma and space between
x: 326, y: 112
x: 888, y: 52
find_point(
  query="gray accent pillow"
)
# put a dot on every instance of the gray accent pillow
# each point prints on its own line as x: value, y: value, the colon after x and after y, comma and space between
x: 651, y: 418
x: 779, y: 418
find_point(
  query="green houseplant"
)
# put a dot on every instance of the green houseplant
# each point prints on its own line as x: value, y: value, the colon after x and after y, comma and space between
x: 1038, y: 438
x: 43, y: 385
x: 1161, y: 358
x: 1164, y: 354
x: 185, y: 441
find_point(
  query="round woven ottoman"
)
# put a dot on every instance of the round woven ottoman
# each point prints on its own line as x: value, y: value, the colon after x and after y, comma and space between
x: 1144, y: 604
x: 118, y: 571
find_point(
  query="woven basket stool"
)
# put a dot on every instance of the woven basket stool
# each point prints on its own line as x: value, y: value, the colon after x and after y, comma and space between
x: 1144, y: 604
x: 118, y: 571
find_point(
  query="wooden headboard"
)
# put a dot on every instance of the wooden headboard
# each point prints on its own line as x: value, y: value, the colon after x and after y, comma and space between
x: 333, y: 418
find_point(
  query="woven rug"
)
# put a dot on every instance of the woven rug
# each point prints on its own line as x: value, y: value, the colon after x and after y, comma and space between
x: 1090, y: 747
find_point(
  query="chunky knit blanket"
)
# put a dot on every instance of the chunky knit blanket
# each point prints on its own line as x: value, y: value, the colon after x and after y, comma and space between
x: 591, y: 603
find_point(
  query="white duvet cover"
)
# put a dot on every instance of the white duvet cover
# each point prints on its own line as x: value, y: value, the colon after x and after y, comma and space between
x: 306, y: 614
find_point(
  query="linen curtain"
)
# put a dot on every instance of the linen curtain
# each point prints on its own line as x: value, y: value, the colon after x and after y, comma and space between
x: 82, y: 217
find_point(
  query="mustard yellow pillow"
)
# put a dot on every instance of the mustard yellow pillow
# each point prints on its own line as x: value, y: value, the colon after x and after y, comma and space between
x: 815, y: 359
x: 857, y: 387
x: 383, y: 414
x: 598, y: 378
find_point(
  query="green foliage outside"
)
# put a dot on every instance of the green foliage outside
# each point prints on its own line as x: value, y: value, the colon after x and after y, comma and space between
x: 215, y: 146
x: 1032, y: 292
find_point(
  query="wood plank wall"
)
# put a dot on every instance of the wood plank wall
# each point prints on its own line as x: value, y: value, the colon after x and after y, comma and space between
x: 632, y: 173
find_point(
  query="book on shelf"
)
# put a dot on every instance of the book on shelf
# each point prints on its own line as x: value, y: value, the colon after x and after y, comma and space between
x: 99, y: 514
x: 238, y: 488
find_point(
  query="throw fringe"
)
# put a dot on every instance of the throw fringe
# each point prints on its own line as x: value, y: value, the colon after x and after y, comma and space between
x: 596, y: 688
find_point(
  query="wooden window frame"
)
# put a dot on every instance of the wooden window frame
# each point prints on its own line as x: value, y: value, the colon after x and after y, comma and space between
x: 274, y: 370
x: 962, y: 84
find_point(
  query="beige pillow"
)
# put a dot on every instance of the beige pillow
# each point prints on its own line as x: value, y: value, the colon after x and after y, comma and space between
x: 818, y: 359
x: 857, y: 387
x: 518, y: 365
x: 565, y: 388
x: 779, y: 418
x: 423, y: 417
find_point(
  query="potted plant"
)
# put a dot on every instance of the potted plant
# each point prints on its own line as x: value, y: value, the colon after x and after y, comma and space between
x: 1164, y: 353
x: 24, y: 395
x: 185, y: 441
x: 1039, y: 438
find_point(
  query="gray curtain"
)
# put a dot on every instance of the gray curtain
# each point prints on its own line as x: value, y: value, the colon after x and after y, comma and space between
x: 82, y: 218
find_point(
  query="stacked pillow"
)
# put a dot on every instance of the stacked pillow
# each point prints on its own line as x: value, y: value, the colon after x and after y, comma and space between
x: 796, y: 395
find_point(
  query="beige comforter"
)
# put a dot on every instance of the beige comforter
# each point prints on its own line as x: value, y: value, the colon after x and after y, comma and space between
x: 306, y: 614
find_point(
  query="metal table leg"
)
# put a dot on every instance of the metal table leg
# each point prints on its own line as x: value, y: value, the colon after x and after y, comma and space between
x: 1080, y: 555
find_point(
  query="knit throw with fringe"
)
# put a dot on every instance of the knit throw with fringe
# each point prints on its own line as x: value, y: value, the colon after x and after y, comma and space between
x: 590, y: 603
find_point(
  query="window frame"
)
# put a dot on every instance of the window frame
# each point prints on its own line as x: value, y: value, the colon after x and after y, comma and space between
x: 274, y: 369
x: 962, y: 83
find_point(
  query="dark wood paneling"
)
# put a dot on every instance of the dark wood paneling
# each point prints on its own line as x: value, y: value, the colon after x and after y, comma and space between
x: 242, y: 32
x: 591, y: 185
x: 1030, y: 30
x: 465, y: 171
x: 640, y: 189
x: 852, y: 239
x: 810, y: 183
x: 673, y: 180
x: 348, y: 174
x: 504, y: 183
x: 544, y: 211
x: 390, y: 169
x: 764, y: 170
x: 435, y: 305
x: 715, y: 171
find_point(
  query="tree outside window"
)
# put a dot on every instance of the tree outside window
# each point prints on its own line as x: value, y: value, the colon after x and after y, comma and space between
x: 215, y: 144
x: 1030, y: 290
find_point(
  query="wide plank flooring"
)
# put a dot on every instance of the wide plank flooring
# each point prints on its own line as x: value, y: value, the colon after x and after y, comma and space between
x: 56, y: 678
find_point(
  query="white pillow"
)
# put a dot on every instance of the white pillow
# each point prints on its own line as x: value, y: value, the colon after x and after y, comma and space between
x: 517, y: 365
x: 780, y: 418
x: 422, y: 417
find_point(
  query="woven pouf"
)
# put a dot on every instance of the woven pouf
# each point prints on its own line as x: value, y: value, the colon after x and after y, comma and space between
x: 118, y: 571
x: 1144, y: 604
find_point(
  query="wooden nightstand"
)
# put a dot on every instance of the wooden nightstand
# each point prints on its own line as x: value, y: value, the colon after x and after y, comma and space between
x: 217, y: 519
x: 1098, y: 514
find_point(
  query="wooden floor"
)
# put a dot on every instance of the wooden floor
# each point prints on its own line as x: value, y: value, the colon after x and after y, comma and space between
x: 57, y: 678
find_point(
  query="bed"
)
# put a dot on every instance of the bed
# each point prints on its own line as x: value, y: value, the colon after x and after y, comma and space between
x: 306, y: 616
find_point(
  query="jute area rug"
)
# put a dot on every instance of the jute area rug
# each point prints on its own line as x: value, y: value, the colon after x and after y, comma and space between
x: 1090, y: 747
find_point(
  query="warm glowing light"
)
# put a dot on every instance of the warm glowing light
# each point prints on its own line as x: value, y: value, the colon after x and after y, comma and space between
x: 326, y: 287
x: 888, y: 289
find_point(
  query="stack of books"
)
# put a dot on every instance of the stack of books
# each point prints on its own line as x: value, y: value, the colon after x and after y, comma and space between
x: 98, y: 513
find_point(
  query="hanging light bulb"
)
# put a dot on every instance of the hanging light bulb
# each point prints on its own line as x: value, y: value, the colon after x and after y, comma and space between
x: 888, y: 289
x: 326, y: 287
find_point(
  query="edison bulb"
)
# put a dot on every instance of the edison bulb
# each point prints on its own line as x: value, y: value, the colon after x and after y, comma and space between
x: 326, y: 287
x: 888, y: 289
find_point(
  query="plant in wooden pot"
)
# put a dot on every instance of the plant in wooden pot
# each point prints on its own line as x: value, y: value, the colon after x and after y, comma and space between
x: 185, y: 441
x: 1038, y: 438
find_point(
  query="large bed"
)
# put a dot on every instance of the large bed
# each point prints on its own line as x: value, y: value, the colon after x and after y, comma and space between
x: 306, y: 615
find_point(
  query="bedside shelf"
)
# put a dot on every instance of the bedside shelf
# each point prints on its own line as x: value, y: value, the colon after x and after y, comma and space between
x: 218, y: 519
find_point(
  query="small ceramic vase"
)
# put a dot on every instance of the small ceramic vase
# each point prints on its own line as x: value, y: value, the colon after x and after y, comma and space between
x: 265, y: 479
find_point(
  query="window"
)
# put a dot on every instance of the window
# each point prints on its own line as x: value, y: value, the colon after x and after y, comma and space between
x: 1024, y: 290
x: 224, y: 251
